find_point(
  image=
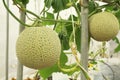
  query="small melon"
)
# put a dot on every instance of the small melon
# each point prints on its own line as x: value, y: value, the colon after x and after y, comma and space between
x: 38, y: 47
x: 103, y: 26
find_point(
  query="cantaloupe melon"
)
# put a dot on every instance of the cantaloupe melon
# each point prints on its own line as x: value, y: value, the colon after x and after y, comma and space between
x: 103, y: 26
x: 38, y: 47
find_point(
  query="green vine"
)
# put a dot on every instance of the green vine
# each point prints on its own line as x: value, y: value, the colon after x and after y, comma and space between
x: 14, y: 15
x: 40, y: 19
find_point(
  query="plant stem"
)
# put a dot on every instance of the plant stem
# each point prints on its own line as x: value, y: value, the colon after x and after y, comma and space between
x: 84, y: 37
x: 19, y: 65
x: 62, y: 21
x: 27, y: 11
x: 7, y: 46
x: 77, y: 10
x: 30, y: 12
x: 40, y: 19
x: 56, y: 22
x: 14, y: 15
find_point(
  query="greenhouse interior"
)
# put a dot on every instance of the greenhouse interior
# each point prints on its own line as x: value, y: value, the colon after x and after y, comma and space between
x: 60, y: 40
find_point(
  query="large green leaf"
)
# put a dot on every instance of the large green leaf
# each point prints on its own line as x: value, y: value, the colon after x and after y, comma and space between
x: 47, y: 72
x: 59, y: 5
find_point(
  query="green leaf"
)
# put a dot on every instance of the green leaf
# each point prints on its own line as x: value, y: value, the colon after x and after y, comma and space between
x: 49, y: 17
x: 78, y: 38
x: 63, y: 59
x: 59, y: 5
x: 117, y: 49
x: 65, y: 30
x: 116, y: 40
x: 92, y: 6
x: 68, y: 26
x: 109, y: 8
x: 108, y: 1
x: 61, y: 30
x: 69, y: 29
x: 47, y: 72
x: 21, y: 3
x: 59, y: 27
x: 48, y: 3
x: 93, y: 62
x: 25, y: 2
x: 19, y: 0
x: 64, y: 41
x: 79, y: 6
x: 117, y: 14
x: 67, y: 69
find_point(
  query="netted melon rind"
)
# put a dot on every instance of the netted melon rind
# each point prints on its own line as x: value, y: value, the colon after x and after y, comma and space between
x: 103, y: 26
x: 38, y: 47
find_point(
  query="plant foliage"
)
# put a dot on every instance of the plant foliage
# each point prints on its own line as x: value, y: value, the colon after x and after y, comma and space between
x: 69, y: 30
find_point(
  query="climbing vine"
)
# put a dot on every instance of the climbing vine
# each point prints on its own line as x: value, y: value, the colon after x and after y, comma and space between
x: 69, y: 31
